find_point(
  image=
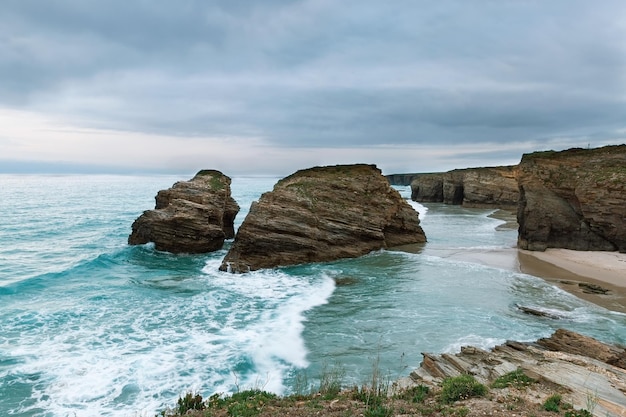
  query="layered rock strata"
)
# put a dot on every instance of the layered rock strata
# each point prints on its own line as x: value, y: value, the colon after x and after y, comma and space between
x: 471, y: 187
x: 574, y: 199
x: 322, y: 214
x: 580, y: 366
x: 193, y: 216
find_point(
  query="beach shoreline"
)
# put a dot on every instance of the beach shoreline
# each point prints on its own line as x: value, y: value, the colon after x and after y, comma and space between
x: 565, y: 268
x: 568, y: 269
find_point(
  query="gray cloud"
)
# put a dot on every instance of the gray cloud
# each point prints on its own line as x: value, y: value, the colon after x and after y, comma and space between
x: 321, y: 72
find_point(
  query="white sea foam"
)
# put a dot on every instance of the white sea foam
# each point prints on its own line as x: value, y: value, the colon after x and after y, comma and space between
x: 120, y: 331
x: 421, y: 209
x: 274, y: 342
x: 473, y: 340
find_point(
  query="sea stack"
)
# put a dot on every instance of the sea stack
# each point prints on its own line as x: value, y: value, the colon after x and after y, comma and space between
x: 193, y: 216
x: 322, y: 214
x: 574, y: 199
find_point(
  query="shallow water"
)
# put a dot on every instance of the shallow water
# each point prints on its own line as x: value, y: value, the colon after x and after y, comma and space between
x: 91, y: 326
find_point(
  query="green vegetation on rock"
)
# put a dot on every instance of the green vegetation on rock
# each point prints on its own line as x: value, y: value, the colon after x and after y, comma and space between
x: 461, y: 388
x: 517, y: 379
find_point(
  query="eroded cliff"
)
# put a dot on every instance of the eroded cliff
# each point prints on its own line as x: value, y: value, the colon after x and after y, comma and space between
x: 471, y: 187
x: 193, y: 216
x: 322, y: 214
x: 574, y: 199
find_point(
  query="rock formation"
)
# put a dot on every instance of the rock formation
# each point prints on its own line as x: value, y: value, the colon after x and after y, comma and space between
x: 566, y: 361
x: 193, y: 216
x: 401, y: 179
x: 322, y: 214
x: 471, y: 187
x: 574, y: 199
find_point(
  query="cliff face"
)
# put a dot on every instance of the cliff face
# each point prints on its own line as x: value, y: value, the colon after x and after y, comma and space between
x: 193, y: 216
x: 574, y: 199
x: 401, y: 179
x: 472, y: 187
x: 322, y: 214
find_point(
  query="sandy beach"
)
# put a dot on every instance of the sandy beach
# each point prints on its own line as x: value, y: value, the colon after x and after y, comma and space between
x: 569, y: 268
x: 565, y: 268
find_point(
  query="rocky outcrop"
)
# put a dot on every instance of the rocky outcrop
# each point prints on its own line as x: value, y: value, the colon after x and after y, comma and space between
x: 471, y: 187
x: 427, y: 188
x: 574, y: 199
x: 322, y: 214
x: 588, y: 370
x: 193, y: 216
x: 570, y: 342
x: 401, y: 179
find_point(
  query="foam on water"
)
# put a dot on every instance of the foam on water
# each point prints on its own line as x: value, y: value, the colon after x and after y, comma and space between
x: 110, y: 349
x: 91, y: 326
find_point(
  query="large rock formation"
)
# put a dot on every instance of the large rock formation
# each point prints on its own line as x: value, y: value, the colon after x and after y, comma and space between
x: 574, y: 199
x: 471, y: 187
x: 588, y: 370
x: 321, y: 214
x: 193, y: 216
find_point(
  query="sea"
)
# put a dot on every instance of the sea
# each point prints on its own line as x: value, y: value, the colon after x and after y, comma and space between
x: 90, y: 326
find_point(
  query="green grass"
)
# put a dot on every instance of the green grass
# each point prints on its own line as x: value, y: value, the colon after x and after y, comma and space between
x: 553, y: 403
x: 517, y: 379
x: 460, y: 388
x: 218, y: 180
x: 578, y: 413
x: 417, y: 394
x: 331, y: 381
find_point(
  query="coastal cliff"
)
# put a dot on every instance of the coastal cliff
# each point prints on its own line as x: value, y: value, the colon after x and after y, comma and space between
x: 471, y: 187
x: 193, y: 216
x: 322, y: 214
x: 574, y: 199
x: 401, y: 179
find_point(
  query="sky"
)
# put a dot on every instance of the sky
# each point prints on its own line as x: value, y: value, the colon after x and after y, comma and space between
x: 271, y: 86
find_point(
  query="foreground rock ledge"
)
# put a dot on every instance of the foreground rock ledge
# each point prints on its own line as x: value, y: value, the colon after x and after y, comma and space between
x: 581, y: 368
x: 322, y: 214
x: 193, y: 216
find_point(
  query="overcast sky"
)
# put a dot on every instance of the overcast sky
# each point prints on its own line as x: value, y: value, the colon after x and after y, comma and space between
x: 271, y: 86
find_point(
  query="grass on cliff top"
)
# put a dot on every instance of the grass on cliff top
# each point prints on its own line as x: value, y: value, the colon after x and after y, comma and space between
x: 331, y: 400
x: 218, y: 180
x: 458, y: 396
x: 611, y: 149
x: 332, y: 171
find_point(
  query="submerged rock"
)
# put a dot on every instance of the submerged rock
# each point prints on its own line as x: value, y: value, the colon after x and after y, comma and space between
x: 193, y: 216
x: 574, y: 199
x: 538, y: 312
x: 322, y: 214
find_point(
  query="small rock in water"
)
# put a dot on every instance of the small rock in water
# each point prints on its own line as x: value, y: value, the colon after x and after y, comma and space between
x: 592, y: 288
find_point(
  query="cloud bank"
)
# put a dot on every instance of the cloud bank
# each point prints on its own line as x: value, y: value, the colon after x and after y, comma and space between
x: 276, y: 85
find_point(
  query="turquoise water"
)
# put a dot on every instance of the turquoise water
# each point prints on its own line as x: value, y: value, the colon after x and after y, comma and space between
x: 92, y: 327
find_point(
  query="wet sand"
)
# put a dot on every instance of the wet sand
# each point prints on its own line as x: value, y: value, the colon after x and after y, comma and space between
x: 568, y: 269
x: 565, y: 268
